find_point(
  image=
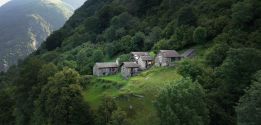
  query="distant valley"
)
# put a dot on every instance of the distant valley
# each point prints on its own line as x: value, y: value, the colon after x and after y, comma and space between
x: 25, y: 24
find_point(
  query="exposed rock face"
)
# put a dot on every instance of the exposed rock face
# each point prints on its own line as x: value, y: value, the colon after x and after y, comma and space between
x: 25, y: 24
x: 74, y: 3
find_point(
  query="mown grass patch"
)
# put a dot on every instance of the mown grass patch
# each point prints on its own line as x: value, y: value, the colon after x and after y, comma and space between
x: 100, y: 88
x: 151, y: 81
x: 115, y: 78
x: 140, y: 111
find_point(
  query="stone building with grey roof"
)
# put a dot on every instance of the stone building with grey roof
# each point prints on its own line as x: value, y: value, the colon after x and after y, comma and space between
x: 138, y: 54
x: 106, y: 68
x: 167, y: 58
x: 129, y: 69
x: 143, y: 59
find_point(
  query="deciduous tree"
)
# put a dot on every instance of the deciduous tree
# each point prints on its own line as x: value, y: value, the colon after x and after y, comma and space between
x: 182, y: 103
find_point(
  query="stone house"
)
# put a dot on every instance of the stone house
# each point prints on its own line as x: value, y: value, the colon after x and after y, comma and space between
x: 167, y: 58
x: 106, y: 68
x: 190, y: 53
x: 137, y: 55
x: 143, y: 59
x: 129, y: 69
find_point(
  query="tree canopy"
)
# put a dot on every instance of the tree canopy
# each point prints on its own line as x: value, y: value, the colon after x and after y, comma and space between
x: 183, y: 102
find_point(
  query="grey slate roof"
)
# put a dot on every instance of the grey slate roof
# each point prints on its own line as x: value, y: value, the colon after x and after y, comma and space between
x: 188, y: 52
x: 170, y: 53
x: 130, y: 65
x: 140, y: 53
x: 107, y: 65
x: 146, y: 58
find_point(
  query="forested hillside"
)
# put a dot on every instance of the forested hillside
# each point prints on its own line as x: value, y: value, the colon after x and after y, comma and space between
x: 220, y: 86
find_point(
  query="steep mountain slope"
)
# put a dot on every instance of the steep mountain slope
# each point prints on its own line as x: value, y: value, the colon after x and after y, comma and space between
x: 75, y: 3
x: 2, y: 2
x: 226, y: 36
x: 24, y: 24
x: 102, y: 30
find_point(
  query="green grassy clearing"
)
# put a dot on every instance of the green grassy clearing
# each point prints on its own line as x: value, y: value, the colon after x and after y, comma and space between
x: 115, y: 78
x: 136, y: 96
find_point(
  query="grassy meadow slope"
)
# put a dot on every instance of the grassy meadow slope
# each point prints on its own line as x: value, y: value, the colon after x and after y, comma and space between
x: 136, y: 96
x: 56, y: 80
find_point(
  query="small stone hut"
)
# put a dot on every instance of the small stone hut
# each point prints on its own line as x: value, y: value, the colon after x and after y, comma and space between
x: 190, y: 53
x: 167, y: 58
x: 129, y: 69
x: 143, y: 59
x: 106, y: 68
x: 137, y: 55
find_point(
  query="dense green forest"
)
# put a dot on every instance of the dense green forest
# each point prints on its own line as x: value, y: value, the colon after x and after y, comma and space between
x: 222, y: 86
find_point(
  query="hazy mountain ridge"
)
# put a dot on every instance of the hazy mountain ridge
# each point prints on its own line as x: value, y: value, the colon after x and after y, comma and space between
x: 25, y: 24
x: 74, y: 3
